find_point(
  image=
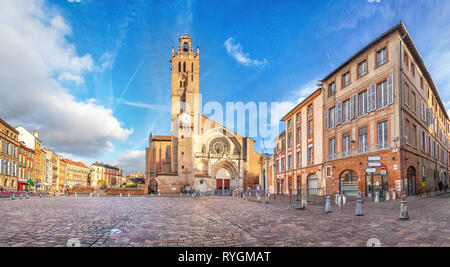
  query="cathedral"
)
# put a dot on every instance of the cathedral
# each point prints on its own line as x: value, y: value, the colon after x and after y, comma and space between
x: 200, y: 154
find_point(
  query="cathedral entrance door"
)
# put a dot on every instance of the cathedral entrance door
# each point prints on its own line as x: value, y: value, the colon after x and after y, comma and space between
x: 227, y: 184
x: 219, y: 184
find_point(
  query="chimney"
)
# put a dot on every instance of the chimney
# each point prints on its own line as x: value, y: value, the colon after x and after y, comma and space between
x: 36, y: 134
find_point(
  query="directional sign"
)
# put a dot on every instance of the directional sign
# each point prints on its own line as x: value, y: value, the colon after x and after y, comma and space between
x: 371, y: 170
x: 374, y: 158
x: 374, y: 164
x: 383, y: 172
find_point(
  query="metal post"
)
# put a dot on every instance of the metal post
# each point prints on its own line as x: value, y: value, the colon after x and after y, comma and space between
x: 21, y: 195
x: 359, y: 211
x: 341, y: 201
x: 328, y: 205
x: 404, y: 216
x: 14, y: 196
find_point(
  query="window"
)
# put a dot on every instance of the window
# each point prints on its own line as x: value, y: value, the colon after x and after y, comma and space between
x: 413, y: 69
x: 421, y: 82
x: 298, y: 134
x: 310, y: 128
x: 289, y: 139
x: 310, y: 154
x: 332, y: 148
x: 413, y: 101
x: 289, y: 124
x: 283, y: 164
x: 405, y: 59
x: 298, y: 159
x: 383, y: 141
x: 414, y: 136
x: 298, y: 117
x: 362, y: 68
x: 407, y: 134
x: 346, y: 145
x: 381, y: 56
x: 345, y: 79
x: 277, y: 167
x: 184, y: 67
x: 179, y: 66
x: 407, y: 100
x: 382, y: 95
x: 331, y: 88
x: 332, y: 117
x: 289, y: 162
x: 363, y: 103
x: 363, y: 140
x: 310, y: 109
x: 346, y: 111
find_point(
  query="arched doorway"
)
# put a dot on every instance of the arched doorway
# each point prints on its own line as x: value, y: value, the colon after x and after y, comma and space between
x: 223, y: 179
x: 313, y: 184
x: 411, y: 180
x: 348, y: 183
x: 153, y: 187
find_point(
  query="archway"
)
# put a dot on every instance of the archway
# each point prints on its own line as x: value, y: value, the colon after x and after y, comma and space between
x: 224, y: 173
x: 349, y: 183
x: 153, y: 187
x: 411, y: 180
x: 313, y: 184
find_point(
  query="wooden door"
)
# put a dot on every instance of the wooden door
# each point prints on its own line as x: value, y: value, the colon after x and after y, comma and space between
x: 219, y: 184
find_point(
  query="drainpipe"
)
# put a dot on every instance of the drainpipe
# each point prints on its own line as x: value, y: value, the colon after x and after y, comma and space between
x: 402, y: 137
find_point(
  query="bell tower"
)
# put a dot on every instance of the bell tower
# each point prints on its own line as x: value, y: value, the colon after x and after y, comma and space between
x: 185, y: 107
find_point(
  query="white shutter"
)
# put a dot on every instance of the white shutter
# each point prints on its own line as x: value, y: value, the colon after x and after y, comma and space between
x: 355, y: 106
x: 390, y: 90
x: 338, y: 113
x: 420, y: 140
x: 372, y: 95
x: 326, y: 119
x: 350, y: 109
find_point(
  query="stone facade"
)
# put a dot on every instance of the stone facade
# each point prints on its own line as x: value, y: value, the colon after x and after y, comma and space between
x: 298, y: 154
x: 200, y: 154
x: 9, y: 156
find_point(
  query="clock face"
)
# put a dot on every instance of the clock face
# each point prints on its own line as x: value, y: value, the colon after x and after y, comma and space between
x: 186, y: 118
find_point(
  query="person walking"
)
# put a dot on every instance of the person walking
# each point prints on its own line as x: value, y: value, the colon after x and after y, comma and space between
x: 424, y: 186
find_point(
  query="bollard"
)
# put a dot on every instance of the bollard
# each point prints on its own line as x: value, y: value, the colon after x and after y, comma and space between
x: 159, y: 194
x: 28, y: 196
x: 151, y: 195
x: 328, y: 205
x: 394, y: 195
x: 40, y: 195
x: 120, y: 194
x: 304, y: 202
x: 76, y: 194
x: 388, y: 197
x: 21, y: 196
x: 377, y: 197
x: 129, y: 195
x: 404, y: 216
x: 266, y: 201
x: 14, y: 196
x: 90, y: 194
x: 258, y: 197
x: 359, y: 211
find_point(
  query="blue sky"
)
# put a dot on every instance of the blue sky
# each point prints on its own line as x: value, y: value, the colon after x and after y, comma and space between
x: 101, y: 74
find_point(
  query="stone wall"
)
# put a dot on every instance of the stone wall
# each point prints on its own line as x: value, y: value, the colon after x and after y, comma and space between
x: 124, y: 191
x: 81, y: 190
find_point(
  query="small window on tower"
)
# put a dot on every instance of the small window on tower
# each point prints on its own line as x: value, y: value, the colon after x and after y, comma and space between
x: 185, y: 47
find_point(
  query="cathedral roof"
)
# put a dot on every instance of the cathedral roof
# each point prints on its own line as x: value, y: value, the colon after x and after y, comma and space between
x: 162, y: 138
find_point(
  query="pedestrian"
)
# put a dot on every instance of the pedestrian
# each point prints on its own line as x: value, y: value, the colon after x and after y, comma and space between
x: 441, y: 186
x: 424, y: 186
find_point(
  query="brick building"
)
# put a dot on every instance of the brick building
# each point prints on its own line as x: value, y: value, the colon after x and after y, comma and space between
x: 111, y: 175
x: 26, y: 167
x: 76, y: 173
x: 298, y: 154
x: 9, y: 156
x: 385, y: 124
x: 200, y: 153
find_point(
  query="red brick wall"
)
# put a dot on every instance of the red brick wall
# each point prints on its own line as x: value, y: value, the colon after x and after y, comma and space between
x: 118, y: 191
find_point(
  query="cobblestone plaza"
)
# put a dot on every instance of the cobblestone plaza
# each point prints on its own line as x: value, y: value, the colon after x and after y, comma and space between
x: 217, y: 221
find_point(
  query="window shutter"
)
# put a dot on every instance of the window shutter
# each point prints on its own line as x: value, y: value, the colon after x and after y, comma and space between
x: 372, y: 97
x: 390, y: 90
x: 338, y: 113
x: 350, y: 109
x: 420, y: 140
x: 326, y: 119
x: 355, y: 106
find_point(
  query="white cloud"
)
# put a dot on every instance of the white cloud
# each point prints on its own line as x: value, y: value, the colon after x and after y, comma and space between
x: 35, y: 59
x: 236, y: 51
x: 132, y: 161
x: 74, y: 1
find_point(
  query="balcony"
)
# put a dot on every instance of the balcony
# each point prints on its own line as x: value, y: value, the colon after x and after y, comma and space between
x: 383, y: 146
